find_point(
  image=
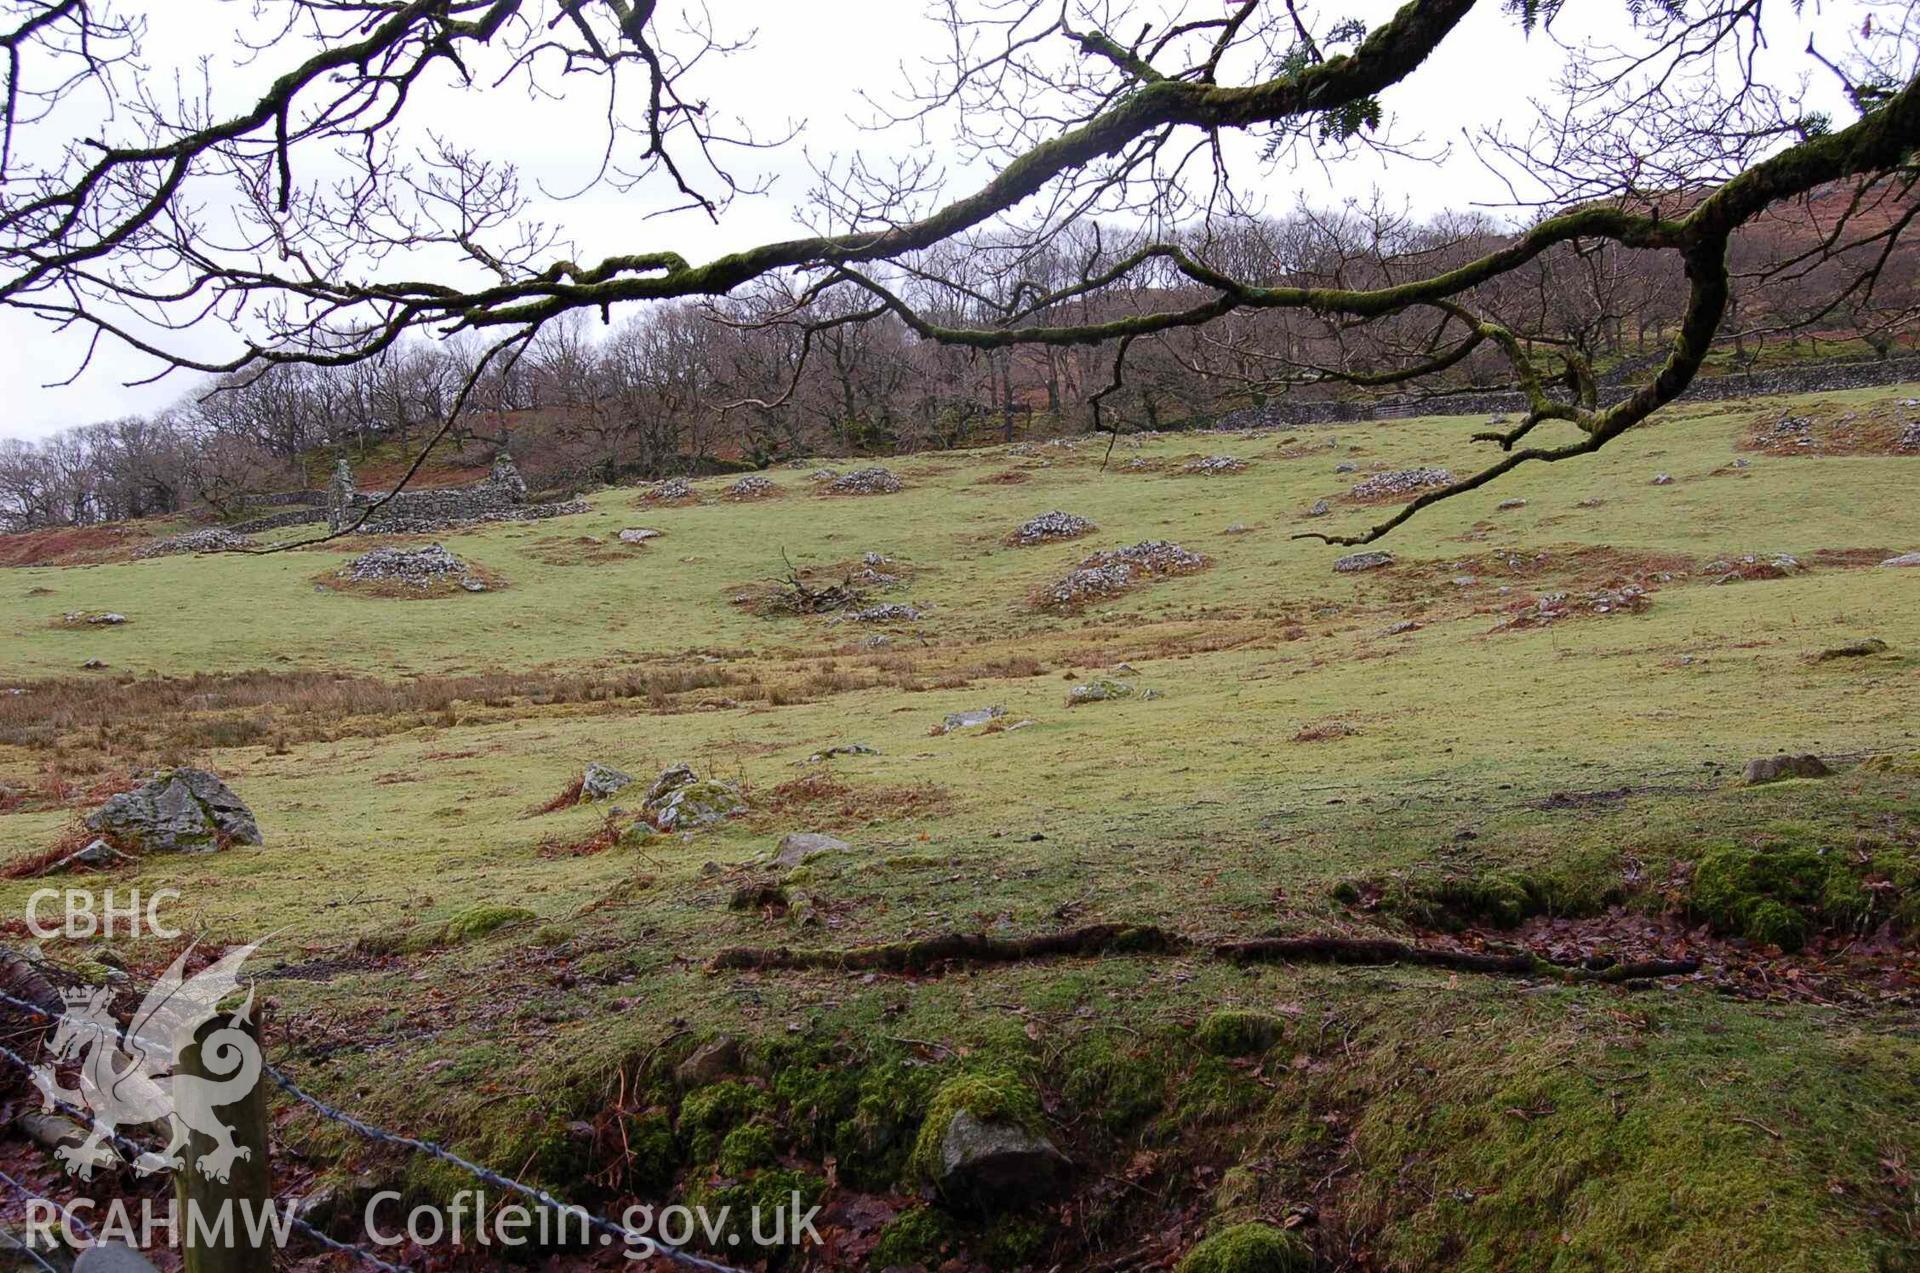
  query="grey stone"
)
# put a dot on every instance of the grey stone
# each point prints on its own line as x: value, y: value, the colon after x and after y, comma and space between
x: 841, y: 749
x: 671, y: 777
x: 709, y: 1063
x: 98, y: 854
x: 600, y: 781
x: 1099, y: 691
x: 1320, y: 508
x: 798, y: 847
x: 638, y: 535
x: 990, y: 1163
x: 111, y: 1257
x: 1363, y: 561
x: 978, y: 716
x: 1663, y: 479
x: 182, y: 810
x: 700, y: 803
x: 1904, y: 559
x: 1506, y: 504
x: 1765, y: 769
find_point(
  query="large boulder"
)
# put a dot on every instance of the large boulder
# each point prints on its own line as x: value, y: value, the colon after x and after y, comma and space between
x: 990, y: 1162
x: 982, y: 1147
x: 1765, y: 769
x: 798, y: 847
x: 180, y: 811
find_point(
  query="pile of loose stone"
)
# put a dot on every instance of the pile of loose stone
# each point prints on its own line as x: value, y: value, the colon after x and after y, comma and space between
x: 1213, y: 465
x: 673, y: 490
x: 412, y: 567
x: 213, y: 539
x: 752, y: 487
x: 1403, y: 482
x: 1788, y: 429
x: 889, y: 612
x: 1909, y: 438
x: 1051, y: 527
x: 1754, y: 566
x: 1555, y: 606
x: 871, y: 481
x: 1113, y: 571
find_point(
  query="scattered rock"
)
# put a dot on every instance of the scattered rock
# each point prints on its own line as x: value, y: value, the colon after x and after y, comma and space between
x: 93, y: 618
x: 92, y: 665
x: 1765, y: 769
x: 1403, y: 482
x: 1904, y: 559
x: 1238, y: 528
x: 800, y: 846
x: 638, y: 535
x: 1663, y: 479
x: 1050, y: 528
x: 872, y: 481
x: 1395, y: 629
x: 213, y: 539
x: 1214, y: 465
x: 969, y: 719
x: 601, y: 781
x: 1506, y: 504
x: 1754, y: 566
x: 1863, y: 648
x: 1320, y: 508
x: 843, y: 749
x: 1363, y: 561
x: 1555, y: 606
x: 891, y: 612
x: 1346, y: 468
x: 98, y: 855
x: 182, y: 810
x: 1099, y: 691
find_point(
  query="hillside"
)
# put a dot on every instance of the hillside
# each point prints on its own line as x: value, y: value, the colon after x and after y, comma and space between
x: 1526, y: 731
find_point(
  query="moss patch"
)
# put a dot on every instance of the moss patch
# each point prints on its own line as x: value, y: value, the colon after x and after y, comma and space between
x: 1249, y: 1248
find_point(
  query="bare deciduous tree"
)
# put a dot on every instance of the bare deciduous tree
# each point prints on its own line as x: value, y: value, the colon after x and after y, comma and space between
x: 132, y: 216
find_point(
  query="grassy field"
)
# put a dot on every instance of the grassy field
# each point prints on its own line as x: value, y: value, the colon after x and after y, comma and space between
x: 1406, y: 751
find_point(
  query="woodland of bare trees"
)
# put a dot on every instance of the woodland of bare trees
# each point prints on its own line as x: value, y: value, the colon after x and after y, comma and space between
x: 1676, y: 203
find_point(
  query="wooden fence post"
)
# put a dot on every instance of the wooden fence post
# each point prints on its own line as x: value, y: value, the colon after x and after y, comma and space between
x: 240, y: 1200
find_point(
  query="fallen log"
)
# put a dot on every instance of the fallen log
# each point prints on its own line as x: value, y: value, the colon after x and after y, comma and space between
x: 949, y: 949
x: 1372, y: 950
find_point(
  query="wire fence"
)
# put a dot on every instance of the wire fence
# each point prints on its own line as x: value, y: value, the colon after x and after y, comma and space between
x: 609, y: 1230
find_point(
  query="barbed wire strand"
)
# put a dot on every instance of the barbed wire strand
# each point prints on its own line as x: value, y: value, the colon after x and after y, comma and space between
x: 135, y: 1150
x: 30, y: 1195
x: 485, y: 1175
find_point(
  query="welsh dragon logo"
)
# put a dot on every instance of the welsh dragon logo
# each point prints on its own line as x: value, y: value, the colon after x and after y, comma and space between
x: 127, y: 1077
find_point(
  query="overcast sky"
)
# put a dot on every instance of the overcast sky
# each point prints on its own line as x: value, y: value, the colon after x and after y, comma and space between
x: 807, y: 63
